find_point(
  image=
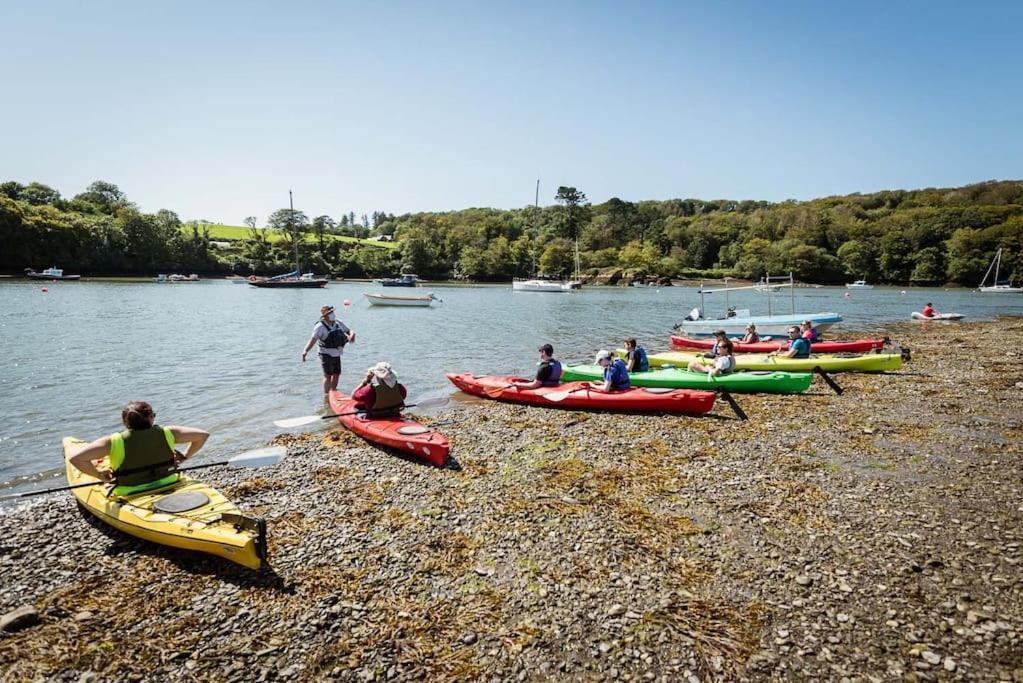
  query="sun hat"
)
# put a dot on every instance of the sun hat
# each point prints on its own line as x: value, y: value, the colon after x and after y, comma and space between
x: 603, y: 354
x: 325, y: 310
x: 383, y: 372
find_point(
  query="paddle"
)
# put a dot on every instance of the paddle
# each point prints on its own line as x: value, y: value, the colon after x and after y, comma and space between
x: 494, y: 392
x: 725, y: 394
x: 310, y: 419
x: 831, y: 383
x: 259, y: 457
x: 558, y: 396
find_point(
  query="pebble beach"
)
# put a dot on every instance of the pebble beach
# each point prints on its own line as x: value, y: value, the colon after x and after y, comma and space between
x: 871, y: 536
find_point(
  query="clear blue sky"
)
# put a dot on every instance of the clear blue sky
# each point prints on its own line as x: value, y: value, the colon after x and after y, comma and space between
x: 216, y: 109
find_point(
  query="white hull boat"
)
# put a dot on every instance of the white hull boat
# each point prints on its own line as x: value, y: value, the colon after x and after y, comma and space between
x: 859, y: 284
x: 545, y: 285
x: 392, y: 300
x: 916, y: 315
x: 997, y: 287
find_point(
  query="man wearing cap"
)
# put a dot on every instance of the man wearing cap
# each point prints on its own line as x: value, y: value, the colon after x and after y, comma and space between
x: 616, y: 375
x: 380, y: 394
x: 548, y: 374
x: 332, y: 335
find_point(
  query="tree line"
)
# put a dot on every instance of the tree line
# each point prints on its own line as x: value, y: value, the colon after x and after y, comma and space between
x: 927, y: 236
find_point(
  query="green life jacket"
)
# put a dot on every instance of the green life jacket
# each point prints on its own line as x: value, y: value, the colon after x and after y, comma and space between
x: 388, y: 403
x: 143, y: 448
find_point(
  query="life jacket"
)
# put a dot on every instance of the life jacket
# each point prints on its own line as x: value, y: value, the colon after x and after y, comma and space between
x: 554, y: 379
x: 388, y: 401
x: 336, y: 337
x: 142, y: 449
x: 795, y: 342
x: 617, y: 374
x: 641, y: 363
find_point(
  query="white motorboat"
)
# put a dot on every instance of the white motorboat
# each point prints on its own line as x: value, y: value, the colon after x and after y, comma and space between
x: 51, y: 273
x: 175, y: 278
x: 997, y: 287
x: 393, y: 300
x: 540, y: 285
x: 859, y: 284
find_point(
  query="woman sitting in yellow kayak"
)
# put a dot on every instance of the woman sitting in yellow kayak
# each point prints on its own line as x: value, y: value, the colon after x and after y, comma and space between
x: 142, y: 457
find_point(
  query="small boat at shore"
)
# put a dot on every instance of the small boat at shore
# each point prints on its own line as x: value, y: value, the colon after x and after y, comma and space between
x: 51, y: 273
x: 292, y: 280
x: 390, y: 300
x: 583, y: 396
x: 680, y: 378
x: 406, y: 280
x: 185, y: 514
x: 398, y: 432
x: 916, y: 315
x: 868, y: 362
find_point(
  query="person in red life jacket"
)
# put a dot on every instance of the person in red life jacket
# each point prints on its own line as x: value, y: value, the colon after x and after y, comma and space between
x: 380, y: 393
x: 548, y: 372
x: 929, y: 311
x: 332, y: 335
x: 809, y: 332
x: 142, y: 457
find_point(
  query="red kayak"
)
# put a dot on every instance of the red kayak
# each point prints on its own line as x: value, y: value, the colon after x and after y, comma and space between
x: 858, y: 346
x: 394, y: 432
x: 583, y: 396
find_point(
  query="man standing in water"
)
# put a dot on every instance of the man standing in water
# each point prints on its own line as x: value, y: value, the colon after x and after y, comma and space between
x: 332, y: 335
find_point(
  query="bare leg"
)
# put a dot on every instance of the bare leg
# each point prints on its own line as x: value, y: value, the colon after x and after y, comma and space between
x: 326, y: 383
x: 332, y: 381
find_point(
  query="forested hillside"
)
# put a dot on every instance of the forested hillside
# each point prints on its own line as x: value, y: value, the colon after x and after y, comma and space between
x: 929, y: 236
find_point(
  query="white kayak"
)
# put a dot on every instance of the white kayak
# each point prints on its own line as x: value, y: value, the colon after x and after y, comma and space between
x: 937, y: 316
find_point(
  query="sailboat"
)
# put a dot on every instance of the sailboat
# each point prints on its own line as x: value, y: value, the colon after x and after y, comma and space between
x: 541, y: 284
x: 997, y: 287
x: 294, y: 279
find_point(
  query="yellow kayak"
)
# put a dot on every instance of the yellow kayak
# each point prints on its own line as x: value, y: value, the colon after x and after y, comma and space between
x: 868, y: 362
x: 188, y: 514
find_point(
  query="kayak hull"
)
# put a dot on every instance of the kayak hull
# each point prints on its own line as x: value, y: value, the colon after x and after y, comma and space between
x: 584, y: 397
x: 869, y: 362
x: 393, y: 432
x: 216, y: 528
x: 915, y: 315
x: 680, y: 378
x: 857, y: 346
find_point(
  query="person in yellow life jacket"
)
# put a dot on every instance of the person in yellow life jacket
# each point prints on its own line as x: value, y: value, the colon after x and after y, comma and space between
x: 380, y: 394
x: 142, y: 457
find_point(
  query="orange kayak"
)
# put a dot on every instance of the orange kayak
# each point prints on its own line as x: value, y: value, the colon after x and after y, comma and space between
x: 394, y: 432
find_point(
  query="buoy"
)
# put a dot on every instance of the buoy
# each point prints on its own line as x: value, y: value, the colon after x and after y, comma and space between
x: 45, y: 290
x: 902, y: 292
x: 847, y: 295
x: 346, y: 303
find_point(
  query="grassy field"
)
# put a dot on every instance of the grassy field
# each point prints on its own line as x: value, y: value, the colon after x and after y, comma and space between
x: 240, y: 232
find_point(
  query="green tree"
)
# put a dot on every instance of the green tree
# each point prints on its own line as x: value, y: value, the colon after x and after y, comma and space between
x: 929, y: 266
x: 571, y: 198
x: 37, y: 193
x: 292, y: 223
x: 321, y: 226
x: 858, y: 259
x: 557, y: 258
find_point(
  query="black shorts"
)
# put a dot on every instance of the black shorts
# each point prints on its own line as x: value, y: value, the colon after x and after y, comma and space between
x: 331, y: 364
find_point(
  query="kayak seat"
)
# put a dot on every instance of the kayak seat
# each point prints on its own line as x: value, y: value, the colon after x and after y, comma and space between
x: 413, y: 429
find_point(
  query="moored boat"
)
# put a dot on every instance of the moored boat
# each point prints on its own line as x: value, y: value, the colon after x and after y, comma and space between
x: 51, y: 273
x: 583, y: 396
x: 406, y: 280
x: 187, y: 514
x: 997, y: 287
x: 859, y: 284
x: 680, y: 378
x: 390, y: 300
x: 292, y: 280
x: 541, y: 285
x: 856, y: 346
x: 175, y: 278
x: 399, y: 433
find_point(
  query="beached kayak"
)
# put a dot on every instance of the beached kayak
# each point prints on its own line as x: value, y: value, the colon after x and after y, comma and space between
x: 857, y: 346
x: 188, y: 514
x: 680, y: 378
x: 868, y: 362
x: 916, y: 315
x: 584, y: 396
x: 394, y: 432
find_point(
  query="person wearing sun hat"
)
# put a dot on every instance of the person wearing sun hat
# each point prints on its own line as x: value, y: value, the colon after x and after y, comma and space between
x: 380, y: 393
x: 332, y: 335
x: 616, y: 375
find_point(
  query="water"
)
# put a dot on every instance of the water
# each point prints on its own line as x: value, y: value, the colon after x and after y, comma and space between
x: 227, y: 357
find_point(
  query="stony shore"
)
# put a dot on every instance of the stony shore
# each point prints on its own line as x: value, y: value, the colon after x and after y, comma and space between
x: 870, y: 536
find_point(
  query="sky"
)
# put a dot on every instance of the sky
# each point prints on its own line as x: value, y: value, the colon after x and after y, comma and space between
x: 216, y: 109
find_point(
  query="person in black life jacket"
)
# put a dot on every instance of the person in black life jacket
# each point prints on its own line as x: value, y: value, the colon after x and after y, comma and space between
x: 548, y: 373
x: 142, y: 446
x: 331, y: 334
x: 380, y: 394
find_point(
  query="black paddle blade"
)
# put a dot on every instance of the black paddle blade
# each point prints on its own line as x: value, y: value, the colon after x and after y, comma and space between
x: 734, y: 404
x: 827, y: 378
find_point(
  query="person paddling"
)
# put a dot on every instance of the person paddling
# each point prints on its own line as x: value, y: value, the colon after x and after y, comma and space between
x: 929, y: 311
x: 331, y: 334
x: 635, y: 357
x: 616, y: 375
x: 548, y: 372
x: 799, y: 347
x: 143, y: 446
x: 380, y: 393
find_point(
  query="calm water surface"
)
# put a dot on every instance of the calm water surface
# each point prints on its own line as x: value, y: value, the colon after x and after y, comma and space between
x: 227, y: 357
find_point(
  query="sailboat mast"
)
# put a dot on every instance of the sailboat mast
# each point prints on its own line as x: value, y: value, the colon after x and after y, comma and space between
x: 291, y: 224
x: 998, y: 263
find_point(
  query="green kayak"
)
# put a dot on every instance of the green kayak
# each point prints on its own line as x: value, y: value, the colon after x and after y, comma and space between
x: 677, y: 378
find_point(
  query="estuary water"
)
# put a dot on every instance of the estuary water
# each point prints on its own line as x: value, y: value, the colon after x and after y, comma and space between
x: 226, y: 357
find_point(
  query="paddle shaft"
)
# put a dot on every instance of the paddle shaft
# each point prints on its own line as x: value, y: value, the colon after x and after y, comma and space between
x: 360, y: 412
x: 831, y: 383
x: 131, y: 471
x: 739, y: 412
